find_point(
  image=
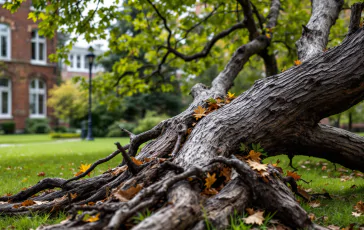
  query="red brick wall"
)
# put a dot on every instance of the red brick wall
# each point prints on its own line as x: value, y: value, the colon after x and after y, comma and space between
x: 19, y: 69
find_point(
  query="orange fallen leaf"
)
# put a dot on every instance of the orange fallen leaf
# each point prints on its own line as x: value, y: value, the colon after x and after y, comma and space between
x: 210, y: 191
x: 93, y: 218
x: 256, y: 218
x: 294, y: 175
x: 226, y: 172
x: 297, y: 62
x: 210, y: 180
x: 199, y: 112
x: 126, y: 195
x: 254, y: 156
x: 91, y: 203
x: 27, y: 203
x: 136, y: 161
x: 250, y: 211
x: 324, y: 168
x: 41, y: 174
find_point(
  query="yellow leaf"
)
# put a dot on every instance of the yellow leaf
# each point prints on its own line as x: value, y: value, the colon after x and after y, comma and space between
x: 126, y: 195
x: 199, y: 112
x: 297, y: 62
x: 256, y: 218
x: 254, y: 156
x: 210, y: 180
x: 268, y: 35
x: 257, y: 166
x: 231, y: 95
x: 83, y: 168
x: 93, y: 218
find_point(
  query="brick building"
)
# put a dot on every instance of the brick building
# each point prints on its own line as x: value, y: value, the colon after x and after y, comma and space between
x: 26, y: 74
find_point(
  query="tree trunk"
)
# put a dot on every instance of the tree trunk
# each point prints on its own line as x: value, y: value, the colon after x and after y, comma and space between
x: 281, y: 112
x: 350, y: 123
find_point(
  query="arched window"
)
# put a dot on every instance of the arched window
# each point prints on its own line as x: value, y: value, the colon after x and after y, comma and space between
x: 5, y: 98
x: 4, y: 41
x: 37, y: 99
x: 39, y: 49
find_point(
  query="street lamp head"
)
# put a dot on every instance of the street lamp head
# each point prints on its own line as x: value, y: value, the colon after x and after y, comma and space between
x: 90, y: 56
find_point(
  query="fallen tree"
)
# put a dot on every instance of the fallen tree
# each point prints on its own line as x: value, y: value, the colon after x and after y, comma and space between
x: 281, y: 112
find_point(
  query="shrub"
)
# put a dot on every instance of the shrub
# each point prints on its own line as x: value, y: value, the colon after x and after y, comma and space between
x: 60, y: 129
x: 37, y: 126
x: 150, y: 120
x: 8, y: 127
x: 65, y: 135
x: 114, y: 130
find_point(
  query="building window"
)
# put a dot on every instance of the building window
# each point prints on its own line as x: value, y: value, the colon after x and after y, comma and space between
x: 78, y: 61
x: 4, y: 41
x: 37, y: 99
x: 5, y: 98
x: 71, y: 60
x: 38, y: 48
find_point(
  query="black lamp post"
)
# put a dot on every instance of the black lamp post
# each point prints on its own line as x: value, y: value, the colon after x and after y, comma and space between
x: 90, y: 57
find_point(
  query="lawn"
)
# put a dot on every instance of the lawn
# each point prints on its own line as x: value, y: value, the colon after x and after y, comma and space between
x: 24, y: 138
x: 20, y: 165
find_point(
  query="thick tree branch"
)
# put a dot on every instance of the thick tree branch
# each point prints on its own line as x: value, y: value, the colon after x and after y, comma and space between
x: 249, y: 19
x: 315, y: 34
x: 334, y: 144
x: 355, y: 17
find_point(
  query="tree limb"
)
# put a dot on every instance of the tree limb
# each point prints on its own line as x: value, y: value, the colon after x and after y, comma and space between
x: 315, y: 34
x: 355, y: 17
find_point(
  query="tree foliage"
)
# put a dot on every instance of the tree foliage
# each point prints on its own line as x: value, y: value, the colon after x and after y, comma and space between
x: 68, y: 101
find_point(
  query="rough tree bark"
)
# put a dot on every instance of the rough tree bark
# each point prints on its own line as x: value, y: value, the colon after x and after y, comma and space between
x: 281, y: 112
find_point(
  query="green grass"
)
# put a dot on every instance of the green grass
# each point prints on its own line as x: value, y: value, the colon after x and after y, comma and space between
x: 20, y: 165
x: 338, y: 210
x: 24, y: 138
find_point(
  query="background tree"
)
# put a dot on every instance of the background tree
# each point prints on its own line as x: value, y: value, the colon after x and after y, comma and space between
x: 215, y: 133
x: 68, y: 101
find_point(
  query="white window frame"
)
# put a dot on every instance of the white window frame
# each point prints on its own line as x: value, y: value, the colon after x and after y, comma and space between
x: 37, y: 40
x: 8, y: 34
x: 8, y: 90
x: 37, y: 91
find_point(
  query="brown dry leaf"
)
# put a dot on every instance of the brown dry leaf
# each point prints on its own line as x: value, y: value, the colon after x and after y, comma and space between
x: 73, y: 195
x: 126, y: 195
x: 40, y: 202
x: 210, y: 180
x: 41, y: 174
x: 333, y: 227
x: 136, y: 161
x: 276, y: 164
x: 199, y: 112
x: 148, y: 159
x: 91, y: 203
x: 189, y: 131
x: 27, y: 203
x: 345, y: 178
x: 294, y: 175
x: 239, y: 157
x: 250, y: 211
x: 17, y: 206
x: 359, y: 207
x: 119, y: 170
x: 303, y: 193
x: 356, y: 214
x: 314, y: 204
x: 324, y: 168
x: 210, y: 191
x: 93, y: 218
x: 353, y: 186
x: 226, y: 172
x: 161, y: 160
x: 256, y: 218
x: 257, y: 166
x: 312, y: 216
x: 254, y: 156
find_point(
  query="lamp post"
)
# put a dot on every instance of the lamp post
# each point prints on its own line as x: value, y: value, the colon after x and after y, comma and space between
x: 90, y: 57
